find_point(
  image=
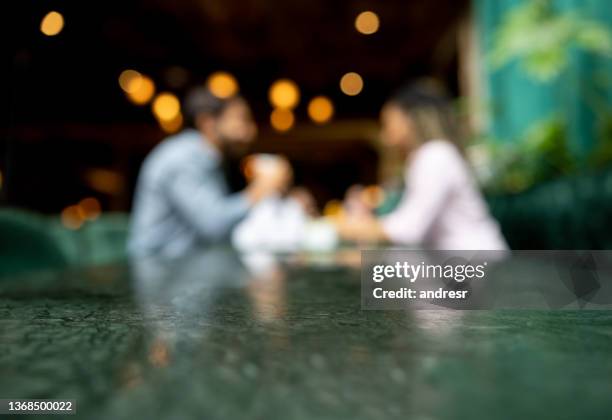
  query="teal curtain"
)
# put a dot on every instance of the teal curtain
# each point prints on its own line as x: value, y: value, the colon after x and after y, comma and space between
x: 515, y: 101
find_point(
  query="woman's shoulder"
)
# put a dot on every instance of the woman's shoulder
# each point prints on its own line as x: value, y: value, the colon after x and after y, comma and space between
x: 439, y: 146
x: 439, y: 151
x: 439, y: 160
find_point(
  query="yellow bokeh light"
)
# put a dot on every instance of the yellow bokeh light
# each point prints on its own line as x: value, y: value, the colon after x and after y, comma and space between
x: 282, y: 119
x: 284, y: 94
x: 351, y: 84
x: 247, y: 165
x: 320, y: 109
x: 52, y: 24
x: 130, y: 80
x: 173, y: 125
x: 166, y: 106
x: 333, y: 209
x: 90, y: 207
x: 140, y: 90
x: 72, y: 217
x: 222, y: 84
x: 105, y: 181
x: 367, y: 23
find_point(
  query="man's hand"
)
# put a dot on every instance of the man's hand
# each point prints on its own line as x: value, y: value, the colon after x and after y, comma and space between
x: 306, y: 200
x: 269, y: 174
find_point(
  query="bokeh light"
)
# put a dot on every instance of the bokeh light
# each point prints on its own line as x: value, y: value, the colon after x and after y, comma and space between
x: 284, y: 94
x: 351, y: 84
x: 320, y: 109
x: 166, y: 106
x: 282, y: 119
x: 140, y: 90
x: 90, y: 208
x: 173, y: 125
x: 104, y: 180
x: 333, y: 209
x: 129, y: 80
x: 52, y: 24
x: 247, y: 167
x: 367, y: 23
x: 373, y: 196
x: 72, y: 217
x: 222, y: 84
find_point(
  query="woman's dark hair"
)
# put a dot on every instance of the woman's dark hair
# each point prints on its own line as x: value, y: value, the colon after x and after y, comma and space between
x: 430, y: 110
x: 200, y: 100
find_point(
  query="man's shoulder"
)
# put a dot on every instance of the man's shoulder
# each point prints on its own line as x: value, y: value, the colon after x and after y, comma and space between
x: 180, y: 150
x: 187, y: 143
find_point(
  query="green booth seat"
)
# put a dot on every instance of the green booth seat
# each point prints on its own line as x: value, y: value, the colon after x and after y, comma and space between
x: 101, y: 241
x: 30, y: 242
x: 26, y: 243
x: 573, y: 212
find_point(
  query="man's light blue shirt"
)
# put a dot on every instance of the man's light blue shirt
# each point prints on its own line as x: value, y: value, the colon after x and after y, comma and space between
x: 182, y: 200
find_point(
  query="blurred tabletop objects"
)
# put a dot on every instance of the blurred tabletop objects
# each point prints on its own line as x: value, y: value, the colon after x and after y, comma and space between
x: 228, y: 336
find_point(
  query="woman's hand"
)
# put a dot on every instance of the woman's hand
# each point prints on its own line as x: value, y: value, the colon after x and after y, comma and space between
x: 360, y: 228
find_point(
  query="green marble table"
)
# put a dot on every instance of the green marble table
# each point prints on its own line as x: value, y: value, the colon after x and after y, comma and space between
x: 220, y: 336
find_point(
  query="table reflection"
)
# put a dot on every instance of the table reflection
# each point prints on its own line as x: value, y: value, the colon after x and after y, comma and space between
x: 189, y: 292
x: 220, y: 334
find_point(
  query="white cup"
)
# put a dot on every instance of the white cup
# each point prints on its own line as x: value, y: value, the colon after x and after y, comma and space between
x: 320, y: 236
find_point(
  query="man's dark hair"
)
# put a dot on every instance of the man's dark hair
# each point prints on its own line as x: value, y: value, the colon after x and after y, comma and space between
x: 200, y: 100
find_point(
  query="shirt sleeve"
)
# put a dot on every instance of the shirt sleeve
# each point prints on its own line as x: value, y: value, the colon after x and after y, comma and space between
x: 429, y: 183
x: 204, y: 202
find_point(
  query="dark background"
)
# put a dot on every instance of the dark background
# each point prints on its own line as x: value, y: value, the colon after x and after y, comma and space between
x: 65, y: 116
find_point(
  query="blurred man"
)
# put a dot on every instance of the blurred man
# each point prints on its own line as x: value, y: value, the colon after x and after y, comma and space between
x: 182, y: 198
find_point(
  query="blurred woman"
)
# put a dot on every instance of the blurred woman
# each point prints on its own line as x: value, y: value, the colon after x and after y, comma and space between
x: 441, y: 207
